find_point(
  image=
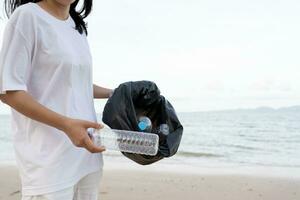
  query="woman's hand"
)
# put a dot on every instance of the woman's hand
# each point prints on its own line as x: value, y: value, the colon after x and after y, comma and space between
x: 76, y: 130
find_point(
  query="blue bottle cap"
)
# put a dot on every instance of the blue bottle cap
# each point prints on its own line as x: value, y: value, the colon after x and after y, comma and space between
x: 142, y: 126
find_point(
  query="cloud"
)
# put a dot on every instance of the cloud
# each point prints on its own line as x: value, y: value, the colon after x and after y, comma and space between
x: 205, y: 59
x: 215, y: 85
x: 271, y: 86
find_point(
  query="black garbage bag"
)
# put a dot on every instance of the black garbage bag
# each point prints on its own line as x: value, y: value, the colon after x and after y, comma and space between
x: 142, y: 98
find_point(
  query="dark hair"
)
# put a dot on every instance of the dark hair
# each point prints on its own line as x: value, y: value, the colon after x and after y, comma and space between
x: 78, y: 16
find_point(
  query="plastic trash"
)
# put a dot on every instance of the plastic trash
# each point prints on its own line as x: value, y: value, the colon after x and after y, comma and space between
x: 125, y: 141
x: 145, y: 124
x: 131, y: 100
x: 163, y: 130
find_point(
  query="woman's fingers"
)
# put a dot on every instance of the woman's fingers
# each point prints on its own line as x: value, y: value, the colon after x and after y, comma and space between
x: 95, y: 125
x: 91, y: 147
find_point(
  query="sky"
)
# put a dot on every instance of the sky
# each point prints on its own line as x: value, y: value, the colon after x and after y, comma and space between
x: 202, y: 54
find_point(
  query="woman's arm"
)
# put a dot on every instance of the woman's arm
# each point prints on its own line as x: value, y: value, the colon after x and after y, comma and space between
x: 75, y: 129
x: 101, y: 92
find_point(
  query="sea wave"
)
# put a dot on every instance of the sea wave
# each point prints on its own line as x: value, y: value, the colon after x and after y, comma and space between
x: 179, y: 153
x: 197, y: 154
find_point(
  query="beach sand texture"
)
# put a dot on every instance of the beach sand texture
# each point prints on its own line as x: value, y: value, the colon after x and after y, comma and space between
x: 129, y: 184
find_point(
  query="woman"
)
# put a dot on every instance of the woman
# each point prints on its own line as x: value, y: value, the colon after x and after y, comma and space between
x: 46, y: 78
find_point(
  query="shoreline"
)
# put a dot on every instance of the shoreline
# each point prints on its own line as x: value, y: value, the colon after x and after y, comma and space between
x: 165, y: 166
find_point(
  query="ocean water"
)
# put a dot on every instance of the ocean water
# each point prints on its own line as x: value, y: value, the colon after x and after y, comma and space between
x: 239, y: 138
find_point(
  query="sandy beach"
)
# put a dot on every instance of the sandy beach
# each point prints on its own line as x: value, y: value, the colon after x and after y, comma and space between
x: 151, y: 183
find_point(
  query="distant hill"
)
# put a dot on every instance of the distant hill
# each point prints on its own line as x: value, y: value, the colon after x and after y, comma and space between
x: 290, y: 109
x: 266, y: 109
x: 263, y: 109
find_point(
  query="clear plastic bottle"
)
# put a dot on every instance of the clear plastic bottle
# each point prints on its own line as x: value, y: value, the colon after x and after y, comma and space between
x: 126, y: 141
x: 163, y: 130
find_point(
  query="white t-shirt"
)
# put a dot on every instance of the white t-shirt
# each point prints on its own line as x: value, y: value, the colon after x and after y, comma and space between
x: 50, y: 60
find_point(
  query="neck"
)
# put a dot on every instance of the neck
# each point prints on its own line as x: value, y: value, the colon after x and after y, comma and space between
x: 58, y: 10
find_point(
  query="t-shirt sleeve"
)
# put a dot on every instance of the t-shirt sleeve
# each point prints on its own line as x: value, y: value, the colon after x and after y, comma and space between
x: 15, y: 60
